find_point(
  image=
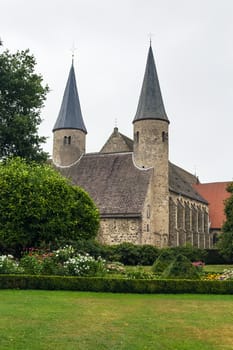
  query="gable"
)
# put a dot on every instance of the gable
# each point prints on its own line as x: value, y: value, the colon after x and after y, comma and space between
x: 117, y: 142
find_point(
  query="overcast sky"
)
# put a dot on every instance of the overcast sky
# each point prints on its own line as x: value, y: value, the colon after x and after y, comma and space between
x: 193, y: 47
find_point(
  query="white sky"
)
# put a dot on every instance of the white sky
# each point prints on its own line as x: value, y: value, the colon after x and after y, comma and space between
x: 193, y: 48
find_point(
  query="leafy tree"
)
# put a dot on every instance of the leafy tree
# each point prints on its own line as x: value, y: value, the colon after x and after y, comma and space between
x: 21, y: 98
x: 40, y: 207
x: 225, y: 243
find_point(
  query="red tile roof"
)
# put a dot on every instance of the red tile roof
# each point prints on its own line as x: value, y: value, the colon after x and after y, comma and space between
x: 215, y: 193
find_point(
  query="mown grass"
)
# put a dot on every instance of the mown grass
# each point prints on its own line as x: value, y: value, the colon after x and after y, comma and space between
x: 36, y: 320
x: 217, y: 268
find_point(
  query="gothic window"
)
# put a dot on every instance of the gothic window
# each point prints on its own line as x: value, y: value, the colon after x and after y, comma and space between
x: 187, y: 217
x: 180, y: 216
x: 200, y: 221
x: 194, y: 219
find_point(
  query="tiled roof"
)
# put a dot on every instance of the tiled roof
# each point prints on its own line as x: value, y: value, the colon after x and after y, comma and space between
x: 70, y: 115
x: 117, y: 186
x: 112, y: 180
x: 180, y: 182
x: 150, y: 105
x: 215, y: 193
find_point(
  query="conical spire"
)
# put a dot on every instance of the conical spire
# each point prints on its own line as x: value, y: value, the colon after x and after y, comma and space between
x: 70, y: 115
x: 150, y: 105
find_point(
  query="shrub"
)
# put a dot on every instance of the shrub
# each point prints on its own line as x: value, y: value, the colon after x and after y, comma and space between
x: 8, y: 265
x: 181, y: 268
x: 147, y: 254
x: 164, y: 259
x: 84, y: 265
x: 128, y: 253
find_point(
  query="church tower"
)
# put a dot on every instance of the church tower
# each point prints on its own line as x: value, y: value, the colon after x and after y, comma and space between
x: 151, y: 148
x: 69, y: 138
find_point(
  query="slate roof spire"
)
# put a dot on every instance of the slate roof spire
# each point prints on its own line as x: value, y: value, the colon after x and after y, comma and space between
x: 150, y: 105
x: 70, y: 115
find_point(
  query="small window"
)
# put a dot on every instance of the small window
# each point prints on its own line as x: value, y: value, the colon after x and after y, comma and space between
x: 164, y: 136
x: 69, y: 140
x: 147, y: 228
x: 65, y: 140
x: 148, y: 212
x: 137, y: 136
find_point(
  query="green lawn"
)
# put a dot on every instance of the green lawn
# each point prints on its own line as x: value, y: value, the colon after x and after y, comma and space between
x: 33, y: 320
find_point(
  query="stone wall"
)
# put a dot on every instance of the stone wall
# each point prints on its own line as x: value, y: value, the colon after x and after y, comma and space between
x: 117, y: 143
x: 68, y: 146
x: 151, y: 151
x: 188, y: 223
x: 119, y: 230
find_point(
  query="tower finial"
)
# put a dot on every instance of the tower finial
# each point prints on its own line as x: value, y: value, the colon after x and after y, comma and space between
x: 150, y: 38
x: 73, y: 49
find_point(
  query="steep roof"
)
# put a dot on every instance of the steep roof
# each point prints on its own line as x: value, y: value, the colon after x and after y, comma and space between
x: 150, y: 105
x: 70, y: 115
x: 117, y: 186
x: 179, y: 184
x: 215, y: 193
x: 112, y: 180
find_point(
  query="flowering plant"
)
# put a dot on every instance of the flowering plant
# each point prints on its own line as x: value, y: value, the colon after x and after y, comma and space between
x: 85, y: 265
x: 8, y: 265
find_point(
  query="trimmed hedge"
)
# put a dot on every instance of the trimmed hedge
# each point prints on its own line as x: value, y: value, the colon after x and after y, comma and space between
x: 100, y: 284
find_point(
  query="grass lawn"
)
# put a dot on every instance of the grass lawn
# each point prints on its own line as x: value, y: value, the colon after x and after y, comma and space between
x: 217, y: 268
x: 33, y: 320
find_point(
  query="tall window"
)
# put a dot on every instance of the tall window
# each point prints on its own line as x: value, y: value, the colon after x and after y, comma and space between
x: 137, y: 136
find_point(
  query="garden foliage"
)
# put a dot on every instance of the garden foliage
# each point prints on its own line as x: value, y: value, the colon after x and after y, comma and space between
x: 39, y: 207
x: 180, y: 268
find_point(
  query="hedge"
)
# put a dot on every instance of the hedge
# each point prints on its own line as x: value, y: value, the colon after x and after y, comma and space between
x: 100, y: 284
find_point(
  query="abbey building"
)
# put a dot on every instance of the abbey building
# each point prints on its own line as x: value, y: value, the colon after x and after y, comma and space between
x: 142, y: 197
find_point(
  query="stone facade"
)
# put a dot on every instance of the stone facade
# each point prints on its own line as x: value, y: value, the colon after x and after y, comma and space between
x: 68, y: 146
x: 117, y: 143
x: 188, y: 223
x: 118, y: 230
x: 151, y: 151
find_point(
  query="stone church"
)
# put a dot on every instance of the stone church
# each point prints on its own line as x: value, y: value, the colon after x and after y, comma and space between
x: 141, y: 196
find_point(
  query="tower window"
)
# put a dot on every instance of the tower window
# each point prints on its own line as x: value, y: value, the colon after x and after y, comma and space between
x: 164, y: 136
x: 137, y: 136
x: 147, y: 228
x: 67, y: 140
x: 148, y: 212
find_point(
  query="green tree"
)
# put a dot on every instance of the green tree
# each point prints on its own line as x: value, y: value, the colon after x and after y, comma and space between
x: 39, y: 207
x: 225, y: 243
x: 21, y: 98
